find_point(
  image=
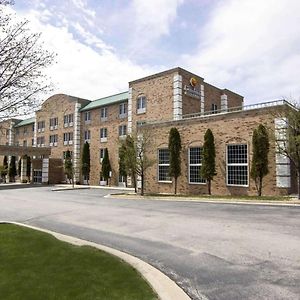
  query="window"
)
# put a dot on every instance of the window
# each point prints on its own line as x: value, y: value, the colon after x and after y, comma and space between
x: 33, y: 127
x: 140, y: 123
x: 53, y: 123
x: 17, y: 131
x: 214, y: 108
x: 122, y: 130
x: 32, y: 142
x: 103, y: 114
x: 87, y: 117
x: 195, y: 163
x: 68, y: 138
x: 141, y: 104
x: 87, y: 136
x: 41, y: 126
x: 53, y: 139
x: 7, y: 132
x: 25, y: 130
x: 163, y: 165
x: 123, y: 110
x: 102, y: 151
x: 68, y: 120
x: 24, y: 143
x: 40, y: 141
x: 237, y: 165
x: 103, y: 134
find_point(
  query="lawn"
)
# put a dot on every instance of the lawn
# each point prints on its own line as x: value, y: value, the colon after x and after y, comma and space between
x: 35, y: 265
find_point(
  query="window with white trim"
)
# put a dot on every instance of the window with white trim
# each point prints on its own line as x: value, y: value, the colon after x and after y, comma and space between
x: 122, y: 130
x: 103, y: 113
x: 41, y: 126
x: 214, y: 108
x: 237, y: 164
x: 103, y: 134
x: 195, y: 163
x: 53, y: 139
x: 40, y: 141
x: 87, y: 135
x: 163, y: 165
x: 87, y: 117
x: 141, y: 104
x: 123, y: 110
x: 68, y: 120
x: 68, y: 138
x: 65, y: 154
x: 53, y: 123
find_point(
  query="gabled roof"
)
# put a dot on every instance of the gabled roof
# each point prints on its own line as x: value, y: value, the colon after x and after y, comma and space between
x: 106, y: 101
x: 25, y: 122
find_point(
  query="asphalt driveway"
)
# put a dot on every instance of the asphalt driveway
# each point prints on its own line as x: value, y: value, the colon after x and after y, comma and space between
x: 212, y: 250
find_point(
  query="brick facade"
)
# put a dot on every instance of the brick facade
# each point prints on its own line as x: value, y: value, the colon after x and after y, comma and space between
x: 169, y: 99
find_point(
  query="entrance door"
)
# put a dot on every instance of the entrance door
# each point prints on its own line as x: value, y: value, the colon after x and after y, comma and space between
x: 37, y: 176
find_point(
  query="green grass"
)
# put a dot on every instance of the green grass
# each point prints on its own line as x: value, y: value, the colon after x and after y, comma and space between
x: 227, y: 197
x: 35, y: 265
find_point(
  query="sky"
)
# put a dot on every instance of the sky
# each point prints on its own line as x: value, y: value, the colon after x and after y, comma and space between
x: 249, y: 46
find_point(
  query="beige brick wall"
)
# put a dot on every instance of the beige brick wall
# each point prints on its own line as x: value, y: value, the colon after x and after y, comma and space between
x: 227, y: 129
x: 112, y: 124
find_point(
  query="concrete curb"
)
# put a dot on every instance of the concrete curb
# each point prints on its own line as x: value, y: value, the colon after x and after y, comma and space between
x: 165, y: 288
x: 203, y: 200
x: 65, y: 187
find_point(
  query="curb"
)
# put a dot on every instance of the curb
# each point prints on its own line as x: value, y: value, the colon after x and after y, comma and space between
x: 177, y: 199
x: 165, y: 288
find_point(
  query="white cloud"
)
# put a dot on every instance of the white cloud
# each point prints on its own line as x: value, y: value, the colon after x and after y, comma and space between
x: 80, y: 70
x: 252, y: 47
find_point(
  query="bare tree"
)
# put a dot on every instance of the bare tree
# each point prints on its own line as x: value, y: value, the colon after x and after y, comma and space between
x: 135, y: 158
x: 287, y: 135
x: 22, y: 61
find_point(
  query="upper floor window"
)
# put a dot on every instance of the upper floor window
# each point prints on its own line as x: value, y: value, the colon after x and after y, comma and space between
x: 53, y: 139
x: 237, y: 164
x: 141, y: 104
x: 53, y: 123
x: 17, y: 131
x: 25, y: 143
x: 33, y: 127
x: 195, y: 163
x: 87, y: 135
x: 40, y: 141
x: 41, y: 126
x: 103, y: 113
x: 122, y: 131
x: 25, y: 130
x: 163, y: 165
x: 87, y: 117
x: 68, y: 120
x: 123, y: 110
x: 103, y: 134
x: 68, y: 138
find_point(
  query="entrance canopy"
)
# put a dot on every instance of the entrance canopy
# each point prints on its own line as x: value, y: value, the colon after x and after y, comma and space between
x: 21, y: 150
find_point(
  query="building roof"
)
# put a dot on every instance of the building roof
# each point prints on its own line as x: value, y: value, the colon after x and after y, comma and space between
x: 25, y: 122
x: 106, y: 101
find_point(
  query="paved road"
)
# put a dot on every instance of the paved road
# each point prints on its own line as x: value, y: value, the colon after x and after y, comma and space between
x: 221, y: 251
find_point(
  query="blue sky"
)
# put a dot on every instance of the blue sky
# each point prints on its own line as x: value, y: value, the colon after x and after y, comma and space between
x: 248, y: 46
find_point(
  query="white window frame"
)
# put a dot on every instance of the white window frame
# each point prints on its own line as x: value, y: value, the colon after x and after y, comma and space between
x: 104, y: 113
x: 237, y: 164
x: 123, y: 110
x: 87, y: 117
x: 122, y: 132
x: 103, y: 137
x: 194, y: 165
x: 141, y: 104
x: 87, y: 136
x: 162, y: 165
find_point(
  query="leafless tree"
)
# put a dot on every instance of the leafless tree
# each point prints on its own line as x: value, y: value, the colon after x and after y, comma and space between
x: 22, y: 62
x: 287, y: 135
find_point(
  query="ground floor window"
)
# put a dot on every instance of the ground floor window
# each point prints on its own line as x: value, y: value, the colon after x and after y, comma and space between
x: 237, y: 165
x: 195, y: 163
x: 163, y: 165
x: 37, y: 176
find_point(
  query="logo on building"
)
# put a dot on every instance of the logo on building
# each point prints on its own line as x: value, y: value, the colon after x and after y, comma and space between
x: 193, y: 81
x: 190, y: 90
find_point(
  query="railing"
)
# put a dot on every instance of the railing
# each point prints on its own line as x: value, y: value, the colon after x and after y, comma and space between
x: 238, y: 108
